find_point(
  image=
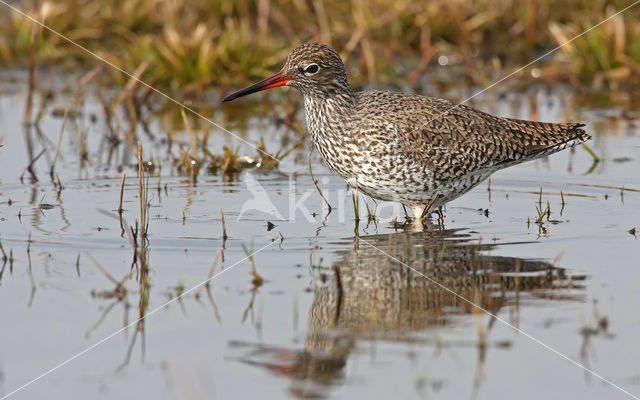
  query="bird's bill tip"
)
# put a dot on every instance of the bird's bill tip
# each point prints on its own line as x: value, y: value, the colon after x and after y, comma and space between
x: 274, y: 81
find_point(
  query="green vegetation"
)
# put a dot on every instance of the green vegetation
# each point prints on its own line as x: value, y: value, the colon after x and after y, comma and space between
x: 192, y: 45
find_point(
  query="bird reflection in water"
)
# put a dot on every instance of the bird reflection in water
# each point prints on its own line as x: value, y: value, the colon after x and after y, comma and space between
x: 370, y: 295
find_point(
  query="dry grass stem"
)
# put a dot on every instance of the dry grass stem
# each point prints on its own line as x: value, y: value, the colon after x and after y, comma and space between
x: 55, y: 156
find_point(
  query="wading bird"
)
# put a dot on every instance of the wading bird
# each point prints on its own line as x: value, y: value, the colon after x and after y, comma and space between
x: 417, y: 150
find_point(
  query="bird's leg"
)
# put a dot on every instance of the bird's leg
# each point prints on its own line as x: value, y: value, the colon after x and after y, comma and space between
x: 315, y: 182
x: 426, y: 210
x: 426, y: 227
x: 406, y: 214
x: 440, y: 216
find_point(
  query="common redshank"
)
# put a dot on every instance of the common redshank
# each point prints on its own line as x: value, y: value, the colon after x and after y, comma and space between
x: 420, y: 151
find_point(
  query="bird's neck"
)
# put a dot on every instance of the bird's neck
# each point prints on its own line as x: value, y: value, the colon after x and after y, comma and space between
x: 328, y: 113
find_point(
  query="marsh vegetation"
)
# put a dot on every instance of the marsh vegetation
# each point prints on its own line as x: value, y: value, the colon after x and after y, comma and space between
x: 125, y: 219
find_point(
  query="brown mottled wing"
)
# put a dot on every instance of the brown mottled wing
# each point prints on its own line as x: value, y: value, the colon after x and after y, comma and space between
x: 453, y: 140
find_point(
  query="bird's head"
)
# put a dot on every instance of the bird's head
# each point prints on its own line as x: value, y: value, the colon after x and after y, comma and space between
x: 314, y: 69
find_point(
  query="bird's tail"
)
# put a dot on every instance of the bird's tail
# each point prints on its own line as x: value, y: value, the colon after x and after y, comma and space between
x: 545, y: 138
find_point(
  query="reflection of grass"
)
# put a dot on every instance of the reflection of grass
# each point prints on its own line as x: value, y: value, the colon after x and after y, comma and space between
x: 192, y: 44
x: 257, y: 280
x: 32, y: 281
x: 4, y: 257
x: 595, y: 157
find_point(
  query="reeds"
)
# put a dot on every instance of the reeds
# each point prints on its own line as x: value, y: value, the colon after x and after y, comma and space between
x: 224, y: 228
x: 189, y: 45
x: 141, y: 249
x: 55, y: 156
x: 143, y: 194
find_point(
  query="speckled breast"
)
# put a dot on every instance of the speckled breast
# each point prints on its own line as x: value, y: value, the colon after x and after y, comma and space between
x: 374, y: 162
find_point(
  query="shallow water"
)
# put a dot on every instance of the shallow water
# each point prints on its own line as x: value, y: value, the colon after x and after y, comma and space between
x: 336, y: 316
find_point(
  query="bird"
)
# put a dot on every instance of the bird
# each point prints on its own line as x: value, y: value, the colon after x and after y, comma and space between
x: 420, y: 151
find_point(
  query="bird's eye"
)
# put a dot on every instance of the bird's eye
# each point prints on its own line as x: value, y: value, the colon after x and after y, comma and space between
x: 311, y: 69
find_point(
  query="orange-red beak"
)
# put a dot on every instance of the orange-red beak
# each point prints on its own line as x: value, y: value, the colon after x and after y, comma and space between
x: 277, y: 80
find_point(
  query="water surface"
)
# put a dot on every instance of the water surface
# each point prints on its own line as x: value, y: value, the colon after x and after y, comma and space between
x: 336, y: 315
